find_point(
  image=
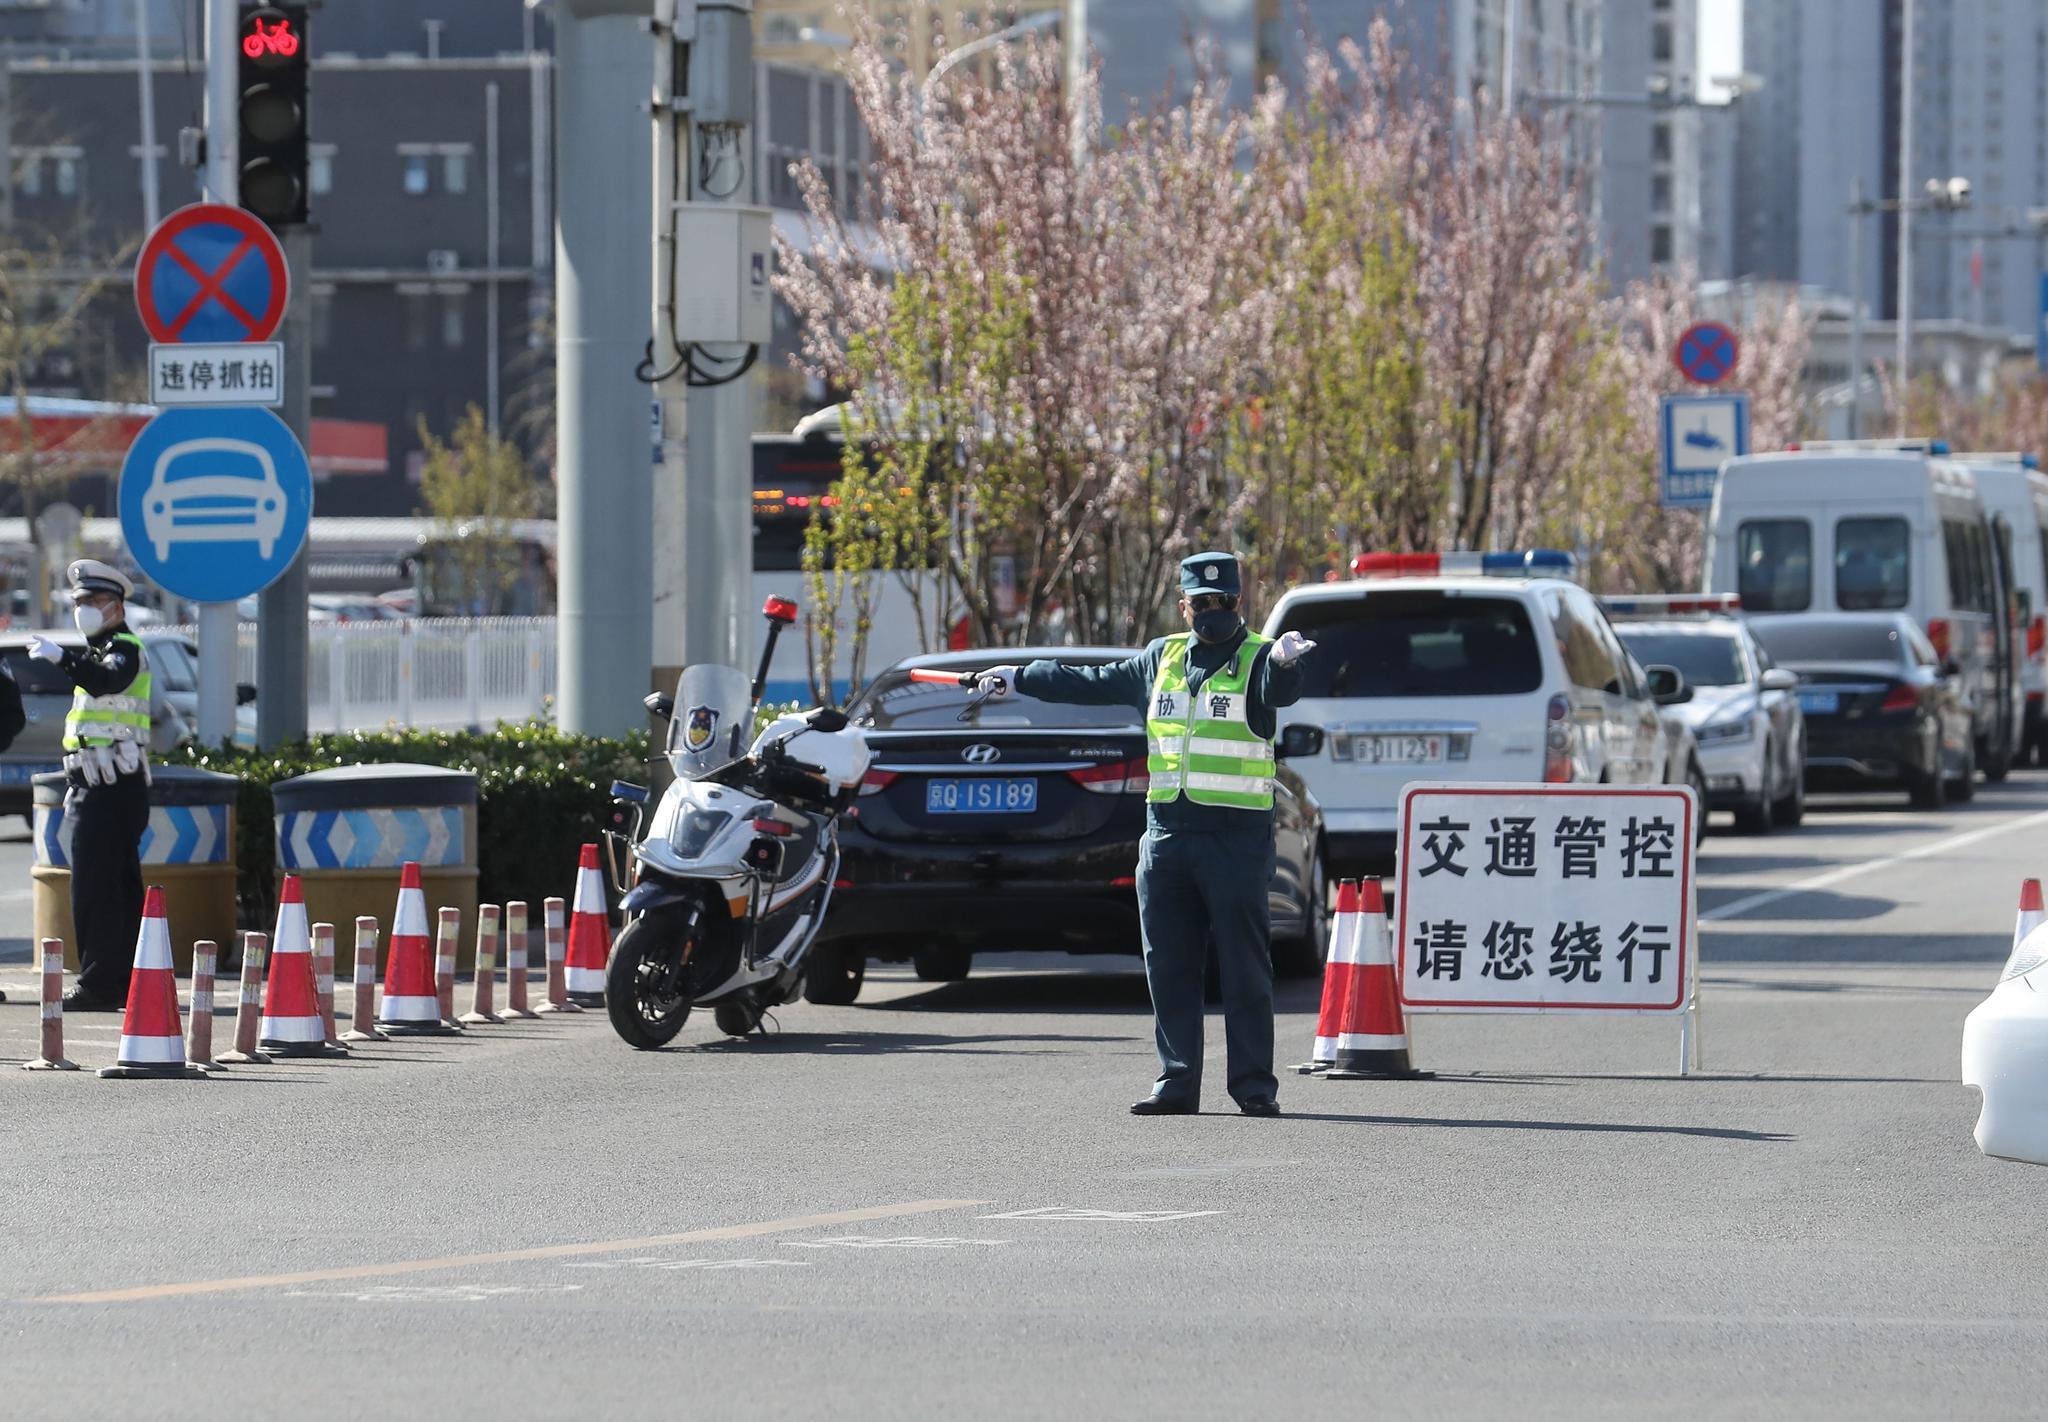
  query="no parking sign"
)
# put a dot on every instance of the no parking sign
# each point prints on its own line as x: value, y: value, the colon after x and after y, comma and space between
x: 211, y: 273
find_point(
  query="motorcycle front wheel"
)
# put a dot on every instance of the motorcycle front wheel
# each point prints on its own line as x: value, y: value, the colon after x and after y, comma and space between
x: 647, y: 987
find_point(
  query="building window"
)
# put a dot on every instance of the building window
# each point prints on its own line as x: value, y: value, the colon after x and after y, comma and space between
x: 416, y: 175
x: 419, y: 315
x: 455, y: 170
x: 1660, y: 141
x: 320, y: 169
x: 1660, y: 42
x: 452, y: 302
x: 1660, y: 193
x: 1660, y: 243
x: 323, y: 317
x: 54, y: 172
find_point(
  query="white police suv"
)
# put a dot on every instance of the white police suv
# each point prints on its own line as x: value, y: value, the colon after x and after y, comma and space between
x: 1463, y: 666
x: 1744, y: 711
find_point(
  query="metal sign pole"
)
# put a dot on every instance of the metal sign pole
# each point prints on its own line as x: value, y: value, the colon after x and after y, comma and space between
x: 217, y: 621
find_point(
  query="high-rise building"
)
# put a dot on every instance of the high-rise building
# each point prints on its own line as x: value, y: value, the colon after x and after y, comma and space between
x: 1827, y: 126
x: 925, y: 27
x: 1650, y: 157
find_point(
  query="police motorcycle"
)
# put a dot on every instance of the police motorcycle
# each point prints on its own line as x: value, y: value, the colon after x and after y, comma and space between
x: 730, y: 878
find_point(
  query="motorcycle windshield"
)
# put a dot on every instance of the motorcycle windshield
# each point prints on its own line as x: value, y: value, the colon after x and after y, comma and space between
x: 713, y: 721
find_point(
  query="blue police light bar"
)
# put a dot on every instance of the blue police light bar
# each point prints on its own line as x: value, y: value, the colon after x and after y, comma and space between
x: 1533, y: 563
x: 1673, y: 604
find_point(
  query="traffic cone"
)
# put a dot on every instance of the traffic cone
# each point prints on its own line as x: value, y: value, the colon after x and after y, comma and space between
x: 1337, y: 975
x: 590, y: 934
x: 291, y: 999
x: 412, y: 1007
x: 2025, y: 957
x: 555, y: 936
x: 1372, y: 1040
x: 152, y: 1033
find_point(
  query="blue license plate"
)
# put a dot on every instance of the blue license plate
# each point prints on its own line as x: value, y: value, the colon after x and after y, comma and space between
x: 1820, y: 703
x: 1007, y: 796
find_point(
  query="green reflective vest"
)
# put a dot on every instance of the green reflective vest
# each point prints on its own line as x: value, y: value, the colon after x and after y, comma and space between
x: 1207, y: 749
x: 103, y: 720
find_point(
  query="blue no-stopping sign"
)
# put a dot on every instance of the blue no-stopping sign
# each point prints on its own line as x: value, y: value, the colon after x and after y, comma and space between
x: 215, y: 503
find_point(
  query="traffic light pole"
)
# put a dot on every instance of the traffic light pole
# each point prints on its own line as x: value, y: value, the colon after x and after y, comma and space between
x: 281, y: 608
x: 217, y: 623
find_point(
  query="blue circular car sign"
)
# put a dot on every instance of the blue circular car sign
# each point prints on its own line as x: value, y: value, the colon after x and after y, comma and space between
x: 215, y: 503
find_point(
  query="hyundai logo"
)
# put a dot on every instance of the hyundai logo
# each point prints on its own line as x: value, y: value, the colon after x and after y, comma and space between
x: 981, y: 753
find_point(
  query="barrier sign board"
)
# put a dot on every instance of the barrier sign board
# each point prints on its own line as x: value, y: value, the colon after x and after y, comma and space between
x: 215, y: 503
x: 1547, y: 898
x: 1699, y: 434
x: 239, y: 373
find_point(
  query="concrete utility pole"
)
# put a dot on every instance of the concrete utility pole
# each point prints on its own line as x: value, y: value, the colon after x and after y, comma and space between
x: 605, y: 575
x: 145, y: 80
x: 217, y: 621
x: 1902, y: 368
x: 1856, y: 209
x: 703, y: 403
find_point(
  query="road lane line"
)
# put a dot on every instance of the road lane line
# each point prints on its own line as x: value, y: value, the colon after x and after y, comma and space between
x: 1850, y: 871
x: 512, y: 1256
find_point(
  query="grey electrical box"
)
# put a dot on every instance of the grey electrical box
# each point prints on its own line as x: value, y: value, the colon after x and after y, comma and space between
x: 722, y: 65
x: 724, y: 255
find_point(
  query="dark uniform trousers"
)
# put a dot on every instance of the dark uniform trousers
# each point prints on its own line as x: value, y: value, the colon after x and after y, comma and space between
x: 1194, y: 888
x: 107, y: 824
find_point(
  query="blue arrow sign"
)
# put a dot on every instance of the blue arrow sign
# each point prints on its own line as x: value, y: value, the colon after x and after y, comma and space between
x: 215, y: 503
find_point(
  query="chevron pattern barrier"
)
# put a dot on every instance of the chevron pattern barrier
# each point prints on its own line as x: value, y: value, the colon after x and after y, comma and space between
x: 177, y: 834
x: 370, y: 839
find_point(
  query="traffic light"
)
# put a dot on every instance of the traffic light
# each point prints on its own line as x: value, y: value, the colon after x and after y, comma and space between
x: 273, y: 60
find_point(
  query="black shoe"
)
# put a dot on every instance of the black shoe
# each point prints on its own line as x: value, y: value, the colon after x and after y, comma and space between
x: 79, y: 1000
x: 1259, y: 1106
x: 1161, y: 1106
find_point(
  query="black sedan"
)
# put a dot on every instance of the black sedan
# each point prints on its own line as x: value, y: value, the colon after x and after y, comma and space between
x: 1017, y: 829
x: 1882, y: 710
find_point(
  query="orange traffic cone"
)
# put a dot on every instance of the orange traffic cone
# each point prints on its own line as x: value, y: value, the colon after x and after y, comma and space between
x: 412, y: 1003
x: 590, y: 934
x: 152, y: 1032
x: 1372, y: 1040
x: 2023, y: 960
x: 291, y: 1000
x: 1338, y: 973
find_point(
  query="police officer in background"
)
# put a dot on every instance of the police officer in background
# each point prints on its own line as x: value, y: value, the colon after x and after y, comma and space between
x: 1207, y: 856
x: 106, y: 760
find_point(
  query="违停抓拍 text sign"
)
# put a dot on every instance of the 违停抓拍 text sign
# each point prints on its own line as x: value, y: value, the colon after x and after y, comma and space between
x: 1540, y: 898
x: 238, y: 373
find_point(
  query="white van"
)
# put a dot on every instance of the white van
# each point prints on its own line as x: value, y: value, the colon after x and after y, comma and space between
x: 2015, y: 494
x: 1856, y: 528
x: 1464, y: 666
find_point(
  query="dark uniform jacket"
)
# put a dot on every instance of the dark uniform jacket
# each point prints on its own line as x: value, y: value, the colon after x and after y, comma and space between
x: 103, y: 666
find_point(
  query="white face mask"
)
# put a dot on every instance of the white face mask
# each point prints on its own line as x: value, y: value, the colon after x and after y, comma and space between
x: 89, y: 618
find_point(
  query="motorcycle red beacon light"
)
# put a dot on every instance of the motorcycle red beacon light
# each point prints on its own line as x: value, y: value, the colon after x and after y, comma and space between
x: 779, y: 609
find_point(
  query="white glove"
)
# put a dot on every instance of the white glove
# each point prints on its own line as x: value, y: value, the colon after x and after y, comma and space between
x: 43, y: 649
x: 1290, y: 647
x: 999, y: 682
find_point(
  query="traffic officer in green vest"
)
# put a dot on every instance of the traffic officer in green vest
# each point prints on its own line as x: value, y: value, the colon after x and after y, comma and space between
x: 106, y: 760
x: 1207, y: 857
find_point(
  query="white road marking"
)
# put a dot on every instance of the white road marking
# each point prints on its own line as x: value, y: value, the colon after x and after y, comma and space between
x: 1061, y: 1212
x: 1849, y: 871
x: 704, y: 1265
x: 901, y: 1241
x: 430, y: 1293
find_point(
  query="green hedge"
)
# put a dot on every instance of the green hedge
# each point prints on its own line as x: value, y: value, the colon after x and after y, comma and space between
x: 540, y: 794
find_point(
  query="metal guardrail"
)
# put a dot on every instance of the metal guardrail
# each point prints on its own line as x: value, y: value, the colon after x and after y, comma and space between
x: 437, y: 673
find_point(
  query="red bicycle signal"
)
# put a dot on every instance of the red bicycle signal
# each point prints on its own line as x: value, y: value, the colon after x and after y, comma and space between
x: 273, y: 41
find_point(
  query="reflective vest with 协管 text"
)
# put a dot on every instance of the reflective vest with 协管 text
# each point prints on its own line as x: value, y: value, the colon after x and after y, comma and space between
x: 1204, y: 746
x: 107, y: 720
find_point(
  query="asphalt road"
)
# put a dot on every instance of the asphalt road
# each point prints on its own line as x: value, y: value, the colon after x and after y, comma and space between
x: 933, y: 1203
